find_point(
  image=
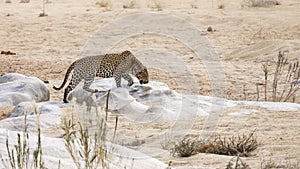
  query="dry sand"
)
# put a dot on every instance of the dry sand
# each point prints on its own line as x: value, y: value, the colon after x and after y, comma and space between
x: 244, y: 38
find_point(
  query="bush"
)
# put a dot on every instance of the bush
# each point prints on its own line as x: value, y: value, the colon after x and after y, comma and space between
x: 240, y: 145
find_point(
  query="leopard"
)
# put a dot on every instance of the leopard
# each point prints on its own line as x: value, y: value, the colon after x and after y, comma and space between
x: 111, y: 65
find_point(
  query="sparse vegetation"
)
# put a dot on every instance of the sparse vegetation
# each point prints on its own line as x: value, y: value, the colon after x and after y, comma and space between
x: 131, y: 5
x: 283, y: 83
x: 237, y: 163
x: 105, y: 4
x: 157, y: 5
x: 270, y: 164
x: 194, y: 6
x: 259, y: 3
x: 24, y: 1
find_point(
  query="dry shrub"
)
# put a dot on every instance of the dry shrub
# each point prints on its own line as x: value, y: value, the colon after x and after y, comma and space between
x: 186, y: 147
x: 260, y: 3
x: 283, y: 83
x: 241, y: 145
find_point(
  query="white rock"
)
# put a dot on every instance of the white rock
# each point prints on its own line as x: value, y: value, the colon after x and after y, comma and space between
x: 243, y: 112
x: 10, y: 77
x: 54, y: 151
x: 17, y: 123
x: 50, y: 116
x: 14, y: 89
x: 30, y: 108
x: 273, y: 106
x: 142, y: 103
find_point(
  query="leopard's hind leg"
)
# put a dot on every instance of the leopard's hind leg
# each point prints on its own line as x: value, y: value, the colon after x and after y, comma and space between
x: 73, y: 83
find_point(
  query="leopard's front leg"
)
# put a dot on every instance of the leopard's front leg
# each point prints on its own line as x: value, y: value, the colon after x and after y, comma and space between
x: 129, y: 79
x: 117, y: 78
x: 87, y: 83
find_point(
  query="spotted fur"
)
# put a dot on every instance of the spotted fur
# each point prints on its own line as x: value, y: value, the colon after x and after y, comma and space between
x: 117, y: 65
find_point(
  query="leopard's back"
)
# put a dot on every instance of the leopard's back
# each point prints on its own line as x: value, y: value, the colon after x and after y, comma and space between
x: 109, y: 63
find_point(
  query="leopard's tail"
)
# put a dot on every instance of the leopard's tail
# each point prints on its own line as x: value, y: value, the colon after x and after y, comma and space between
x: 72, y: 66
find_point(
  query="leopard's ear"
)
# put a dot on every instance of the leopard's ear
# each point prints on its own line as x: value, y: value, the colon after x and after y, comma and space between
x: 126, y: 52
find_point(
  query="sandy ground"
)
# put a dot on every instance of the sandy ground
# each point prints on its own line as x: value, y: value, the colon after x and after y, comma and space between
x: 244, y: 38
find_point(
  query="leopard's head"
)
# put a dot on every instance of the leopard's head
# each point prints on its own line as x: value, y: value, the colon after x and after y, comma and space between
x: 143, y: 76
